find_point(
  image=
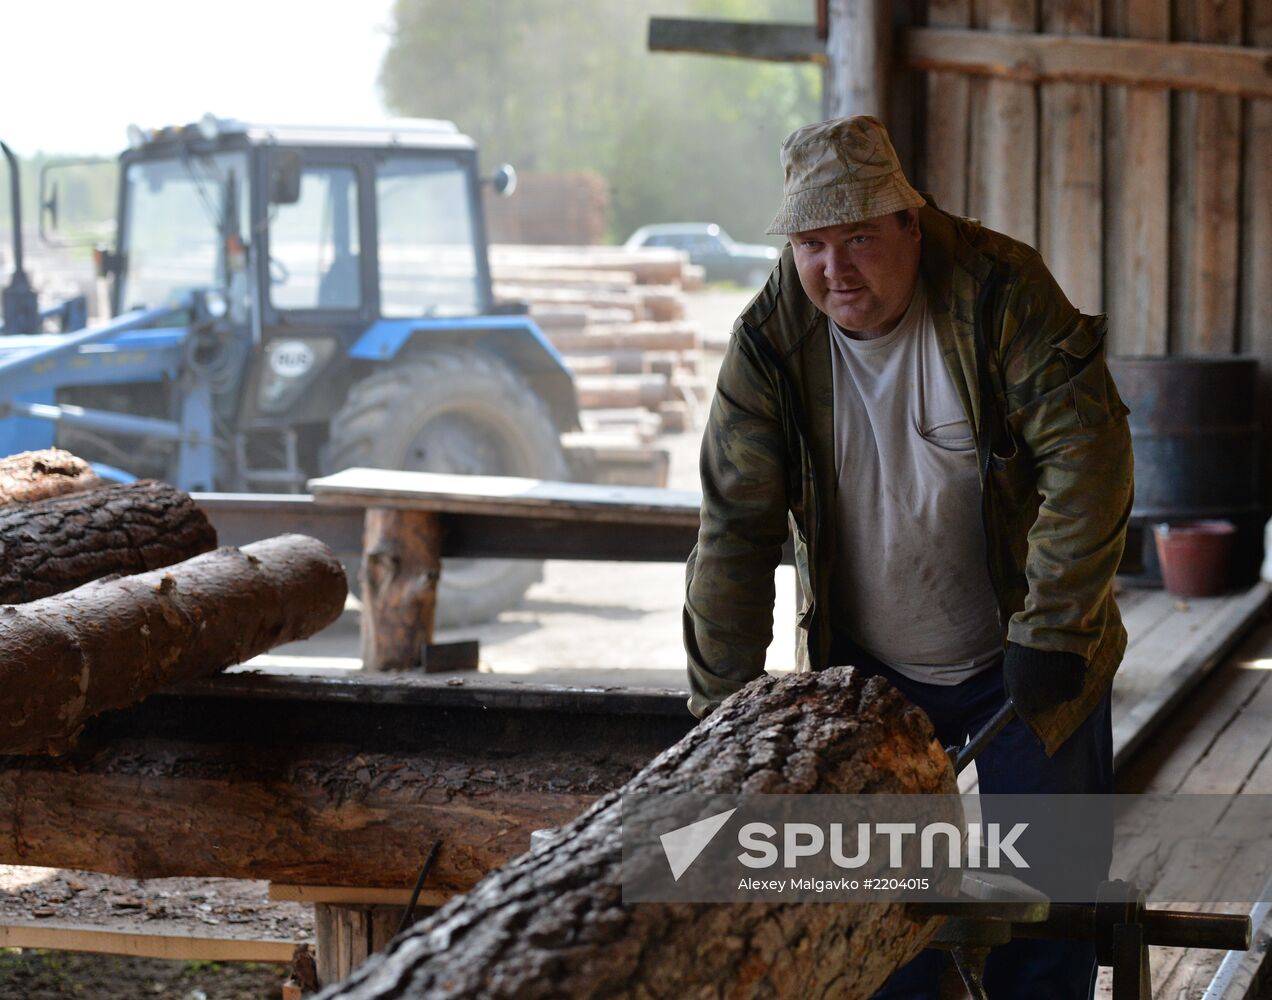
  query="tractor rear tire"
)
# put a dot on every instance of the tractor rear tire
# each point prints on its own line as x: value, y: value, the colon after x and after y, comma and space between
x: 454, y: 410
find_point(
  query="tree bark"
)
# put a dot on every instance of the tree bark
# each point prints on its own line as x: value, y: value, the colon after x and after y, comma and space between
x: 53, y: 545
x: 553, y: 923
x: 112, y: 642
x: 51, y: 472
x: 260, y: 808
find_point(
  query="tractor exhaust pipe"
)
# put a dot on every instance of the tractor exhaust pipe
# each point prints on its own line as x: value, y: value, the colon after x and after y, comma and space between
x: 19, y: 310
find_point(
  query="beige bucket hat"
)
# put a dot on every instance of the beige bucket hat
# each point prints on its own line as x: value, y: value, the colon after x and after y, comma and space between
x: 838, y: 171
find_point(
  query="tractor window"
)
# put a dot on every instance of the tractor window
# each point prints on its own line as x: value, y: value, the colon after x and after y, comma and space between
x: 428, y: 264
x: 313, y: 244
x: 175, y: 227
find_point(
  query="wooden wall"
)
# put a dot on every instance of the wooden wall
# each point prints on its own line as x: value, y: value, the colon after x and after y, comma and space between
x: 1150, y: 203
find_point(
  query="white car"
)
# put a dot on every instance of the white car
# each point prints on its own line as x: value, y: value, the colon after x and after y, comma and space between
x: 710, y: 246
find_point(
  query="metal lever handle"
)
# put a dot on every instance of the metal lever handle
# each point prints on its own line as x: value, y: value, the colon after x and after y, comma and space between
x: 964, y: 755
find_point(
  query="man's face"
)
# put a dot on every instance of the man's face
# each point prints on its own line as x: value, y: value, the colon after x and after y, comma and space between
x: 861, y: 274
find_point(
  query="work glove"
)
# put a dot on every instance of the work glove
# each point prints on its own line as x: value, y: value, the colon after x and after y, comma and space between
x: 1041, y: 680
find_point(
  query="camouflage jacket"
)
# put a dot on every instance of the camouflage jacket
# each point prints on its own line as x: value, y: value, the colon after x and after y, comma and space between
x: 1051, y: 439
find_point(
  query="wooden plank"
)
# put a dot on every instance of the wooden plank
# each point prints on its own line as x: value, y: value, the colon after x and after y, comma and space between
x: 769, y: 41
x: 284, y: 892
x: 243, y: 518
x: 1160, y: 649
x: 1207, y: 649
x: 948, y: 118
x: 1137, y: 195
x: 1164, y: 765
x: 1070, y: 200
x: 510, y: 496
x: 1236, y: 750
x: 1004, y: 160
x: 1142, y: 610
x: 1206, y: 147
x: 1224, y: 69
x: 168, y: 946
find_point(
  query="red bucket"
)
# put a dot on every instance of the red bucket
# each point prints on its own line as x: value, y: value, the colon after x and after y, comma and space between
x: 1194, y: 556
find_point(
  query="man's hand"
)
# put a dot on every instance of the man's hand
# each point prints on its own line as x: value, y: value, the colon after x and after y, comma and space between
x: 1040, y: 680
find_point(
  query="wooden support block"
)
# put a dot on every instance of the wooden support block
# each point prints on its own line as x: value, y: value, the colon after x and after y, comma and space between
x: 401, y: 564
x: 447, y: 657
x: 350, y: 933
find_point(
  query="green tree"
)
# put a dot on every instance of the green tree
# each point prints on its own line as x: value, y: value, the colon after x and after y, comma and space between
x: 558, y: 85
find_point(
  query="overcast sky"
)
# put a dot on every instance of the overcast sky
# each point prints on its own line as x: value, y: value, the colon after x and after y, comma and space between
x: 74, y: 73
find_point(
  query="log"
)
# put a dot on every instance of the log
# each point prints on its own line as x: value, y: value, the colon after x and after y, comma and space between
x: 112, y: 642
x: 53, y: 545
x: 266, y: 808
x: 553, y: 923
x: 50, y: 472
x: 617, y: 391
x: 643, y: 336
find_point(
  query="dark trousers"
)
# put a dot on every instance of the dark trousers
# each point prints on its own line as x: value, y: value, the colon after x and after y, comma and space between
x: 1014, y: 763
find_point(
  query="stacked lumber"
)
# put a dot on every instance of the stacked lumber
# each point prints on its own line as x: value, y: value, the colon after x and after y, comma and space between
x: 112, y: 592
x: 618, y: 317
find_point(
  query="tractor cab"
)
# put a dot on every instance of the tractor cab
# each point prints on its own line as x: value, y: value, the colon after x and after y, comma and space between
x: 323, y: 254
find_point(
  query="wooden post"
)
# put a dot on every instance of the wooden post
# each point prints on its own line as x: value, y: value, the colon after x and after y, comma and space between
x: 948, y: 118
x: 1070, y: 203
x: 401, y: 564
x: 1136, y: 274
x: 1207, y: 162
x: 859, y: 50
x: 348, y: 933
x: 1256, y: 254
x: 1004, y: 162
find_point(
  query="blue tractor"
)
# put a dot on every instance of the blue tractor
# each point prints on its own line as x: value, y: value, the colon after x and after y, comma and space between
x: 288, y: 302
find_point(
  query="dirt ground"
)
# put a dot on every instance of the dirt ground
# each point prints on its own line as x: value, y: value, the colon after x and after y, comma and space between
x: 603, y: 622
x: 64, y: 975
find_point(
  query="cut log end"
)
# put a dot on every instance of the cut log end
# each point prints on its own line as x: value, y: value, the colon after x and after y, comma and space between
x: 36, y: 475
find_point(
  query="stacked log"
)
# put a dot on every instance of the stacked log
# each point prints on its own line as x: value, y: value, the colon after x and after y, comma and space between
x: 553, y: 922
x: 110, y: 643
x: 53, y: 545
x: 79, y: 638
x: 618, y: 317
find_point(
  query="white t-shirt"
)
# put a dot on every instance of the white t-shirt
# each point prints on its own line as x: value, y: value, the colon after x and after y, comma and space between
x: 911, y: 583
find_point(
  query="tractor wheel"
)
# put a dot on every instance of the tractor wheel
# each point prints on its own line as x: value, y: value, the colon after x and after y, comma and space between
x: 454, y: 411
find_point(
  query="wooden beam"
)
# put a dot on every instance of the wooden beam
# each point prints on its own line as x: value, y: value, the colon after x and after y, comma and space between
x: 329, y: 780
x: 765, y: 40
x: 1223, y: 69
x: 323, y: 815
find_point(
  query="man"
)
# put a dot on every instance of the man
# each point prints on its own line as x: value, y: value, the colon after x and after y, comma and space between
x: 917, y: 396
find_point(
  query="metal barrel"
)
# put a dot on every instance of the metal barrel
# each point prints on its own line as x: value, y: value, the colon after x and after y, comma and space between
x: 1195, y: 431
